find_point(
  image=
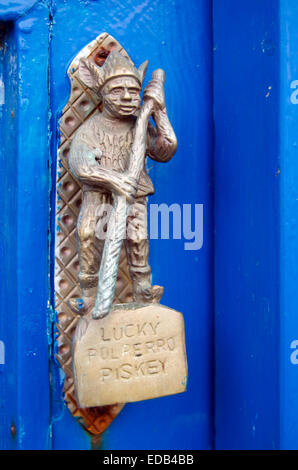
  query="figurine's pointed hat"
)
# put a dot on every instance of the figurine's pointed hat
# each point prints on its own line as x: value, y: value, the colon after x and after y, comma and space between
x: 116, y: 65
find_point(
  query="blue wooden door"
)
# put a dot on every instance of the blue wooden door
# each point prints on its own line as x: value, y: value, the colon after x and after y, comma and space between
x: 231, y: 91
x: 39, y: 40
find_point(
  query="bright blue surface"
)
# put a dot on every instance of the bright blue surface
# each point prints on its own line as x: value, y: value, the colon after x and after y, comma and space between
x: 11, y: 10
x: 256, y: 224
x: 24, y: 237
x: 289, y: 224
x: 247, y: 224
x: 255, y: 188
x: 178, y: 422
x: 8, y: 239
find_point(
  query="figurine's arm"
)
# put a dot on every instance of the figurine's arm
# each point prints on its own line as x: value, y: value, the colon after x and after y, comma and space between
x: 84, y: 164
x: 162, y: 142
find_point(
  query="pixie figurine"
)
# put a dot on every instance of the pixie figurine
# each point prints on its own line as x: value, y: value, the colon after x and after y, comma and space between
x: 99, y: 157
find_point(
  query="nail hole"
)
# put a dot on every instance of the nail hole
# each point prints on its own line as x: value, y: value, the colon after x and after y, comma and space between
x: 13, y: 430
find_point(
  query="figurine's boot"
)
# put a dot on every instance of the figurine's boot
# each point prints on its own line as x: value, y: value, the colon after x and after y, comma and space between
x: 137, y: 250
x: 82, y: 305
x: 143, y: 291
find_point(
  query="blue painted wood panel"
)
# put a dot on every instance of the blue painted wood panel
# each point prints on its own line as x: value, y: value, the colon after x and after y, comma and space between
x: 247, y: 219
x: 289, y: 224
x: 8, y: 238
x: 256, y: 257
x: 176, y: 36
x: 24, y: 232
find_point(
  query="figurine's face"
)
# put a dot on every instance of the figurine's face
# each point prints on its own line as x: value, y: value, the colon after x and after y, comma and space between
x: 121, y: 96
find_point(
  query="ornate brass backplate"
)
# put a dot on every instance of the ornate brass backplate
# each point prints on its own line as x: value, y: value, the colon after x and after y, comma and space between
x: 81, y: 105
x: 105, y: 145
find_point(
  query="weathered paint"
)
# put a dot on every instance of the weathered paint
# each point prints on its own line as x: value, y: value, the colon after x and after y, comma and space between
x: 8, y: 328
x: 32, y: 36
x: 287, y: 116
x: 12, y: 10
x: 24, y: 225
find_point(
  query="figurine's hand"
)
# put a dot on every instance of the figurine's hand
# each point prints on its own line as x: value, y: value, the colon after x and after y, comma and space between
x: 127, y: 187
x: 155, y: 90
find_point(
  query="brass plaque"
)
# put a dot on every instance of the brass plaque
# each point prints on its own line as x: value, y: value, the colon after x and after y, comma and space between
x: 133, y: 354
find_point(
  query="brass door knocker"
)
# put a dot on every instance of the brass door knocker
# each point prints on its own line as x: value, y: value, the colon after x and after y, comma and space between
x: 125, y: 348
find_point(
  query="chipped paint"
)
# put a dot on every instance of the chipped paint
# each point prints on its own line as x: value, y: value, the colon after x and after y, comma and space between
x: 2, y: 353
x: 2, y: 92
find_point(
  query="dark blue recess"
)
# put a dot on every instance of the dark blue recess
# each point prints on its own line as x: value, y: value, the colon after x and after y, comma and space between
x: 8, y: 239
x: 24, y: 232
